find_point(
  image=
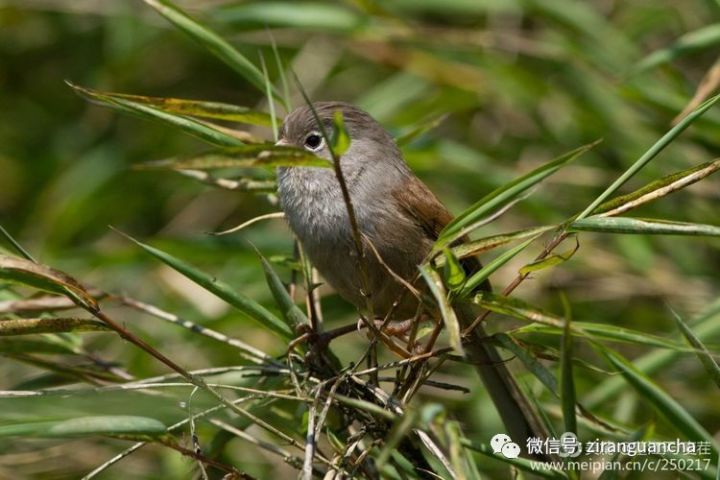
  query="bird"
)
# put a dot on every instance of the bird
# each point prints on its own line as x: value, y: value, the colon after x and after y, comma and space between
x: 399, y: 220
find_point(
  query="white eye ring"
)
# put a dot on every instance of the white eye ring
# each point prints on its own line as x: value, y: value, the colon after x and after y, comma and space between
x: 314, y: 141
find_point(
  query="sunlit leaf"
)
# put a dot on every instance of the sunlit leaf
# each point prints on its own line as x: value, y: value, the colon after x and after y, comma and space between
x: 247, y: 156
x: 643, y: 226
x: 340, y: 137
x: 502, y: 195
x: 205, y: 131
x: 437, y: 288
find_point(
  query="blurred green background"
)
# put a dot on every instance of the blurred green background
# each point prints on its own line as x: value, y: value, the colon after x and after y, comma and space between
x: 520, y: 81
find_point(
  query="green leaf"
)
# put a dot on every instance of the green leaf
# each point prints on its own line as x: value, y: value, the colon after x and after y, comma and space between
x: 524, y: 464
x: 606, y: 332
x: 702, y: 38
x: 548, y: 323
x: 454, y: 273
x: 701, y: 350
x: 419, y: 130
x: 642, y: 226
x: 247, y: 156
x: 25, y: 272
x: 26, y: 326
x: 432, y: 278
x: 312, y: 16
x: 676, y: 415
x: 194, y: 108
x: 40, y: 344
x: 659, y: 188
x: 212, y: 42
x: 705, y: 326
x: 503, y: 195
x: 531, y: 363
x: 203, y: 130
x: 85, y: 426
x: 549, y: 261
x: 479, y: 277
x: 294, y: 317
x: 650, y: 154
x: 567, y: 382
x: 249, y: 307
x: 340, y: 138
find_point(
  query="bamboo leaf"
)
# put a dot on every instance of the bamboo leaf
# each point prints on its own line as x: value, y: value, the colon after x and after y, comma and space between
x: 549, y: 261
x: 567, y: 382
x: 479, y: 277
x: 702, y: 38
x: 658, y: 189
x: 502, y: 195
x: 312, y: 16
x: 85, y: 426
x: 448, y: 314
x: 642, y: 226
x: 341, y: 137
x: 212, y: 42
x: 39, y: 276
x: 247, y: 156
x: 701, y: 350
x: 26, y: 326
x: 668, y: 407
x: 650, y: 154
x: 203, y: 130
x: 194, y: 108
x: 454, y: 273
x: 705, y: 326
x: 531, y: 363
x: 475, y: 247
x: 294, y: 317
x: 249, y: 307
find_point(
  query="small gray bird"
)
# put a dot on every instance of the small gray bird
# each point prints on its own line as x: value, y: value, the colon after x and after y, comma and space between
x: 400, y: 217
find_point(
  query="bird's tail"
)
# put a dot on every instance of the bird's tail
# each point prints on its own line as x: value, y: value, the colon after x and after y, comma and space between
x: 517, y: 413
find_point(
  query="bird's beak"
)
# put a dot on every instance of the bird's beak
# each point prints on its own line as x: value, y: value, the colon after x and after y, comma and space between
x: 281, y: 143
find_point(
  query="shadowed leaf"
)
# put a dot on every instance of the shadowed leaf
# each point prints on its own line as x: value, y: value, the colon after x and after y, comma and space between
x: 212, y: 42
x: 25, y: 326
x: 25, y: 272
x: 224, y: 291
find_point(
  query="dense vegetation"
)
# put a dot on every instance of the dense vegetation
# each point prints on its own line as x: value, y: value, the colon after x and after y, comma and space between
x: 177, y: 344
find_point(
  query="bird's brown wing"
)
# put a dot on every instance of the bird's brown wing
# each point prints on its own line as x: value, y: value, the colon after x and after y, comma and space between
x: 421, y: 204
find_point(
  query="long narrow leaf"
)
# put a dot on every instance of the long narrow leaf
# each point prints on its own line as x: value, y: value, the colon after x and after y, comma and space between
x: 203, y: 130
x: 452, y: 324
x: 705, y: 326
x: 499, y: 197
x: 479, y: 277
x: 247, y: 156
x: 658, y: 188
x: 212, y: 42
x: 658, y: 147
x: 664, y: 403
x: 26, y: 326
x: 703, y: 354
x: 224, y: 291
x: 643, y: 226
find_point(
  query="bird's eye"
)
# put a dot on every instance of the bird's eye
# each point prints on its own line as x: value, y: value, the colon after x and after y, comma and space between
x: 314, y: 142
